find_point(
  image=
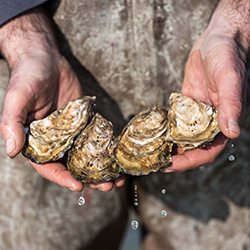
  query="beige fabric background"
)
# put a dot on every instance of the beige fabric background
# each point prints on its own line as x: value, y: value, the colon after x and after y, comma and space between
x: 130, y: 54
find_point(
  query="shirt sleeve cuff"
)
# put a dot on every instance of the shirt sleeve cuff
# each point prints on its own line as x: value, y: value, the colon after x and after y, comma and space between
x: 12, y: 8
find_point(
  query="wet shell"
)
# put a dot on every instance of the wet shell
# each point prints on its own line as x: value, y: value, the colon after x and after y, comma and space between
x: 192, y: 123
x: 49, y: 138
x: 91, y: 158
x: 142, y: 147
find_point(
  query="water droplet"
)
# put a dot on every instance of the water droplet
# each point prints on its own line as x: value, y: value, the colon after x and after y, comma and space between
x: 232, y: 145
x: 164, y: 213
x: 136, y: 201
x: 81, y: 201
x: 163, y: 191
x: 134, y: 224
x: 231, y: 158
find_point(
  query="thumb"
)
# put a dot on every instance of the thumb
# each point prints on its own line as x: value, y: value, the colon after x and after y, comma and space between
x: 231, y: 99
x: 13, y: 118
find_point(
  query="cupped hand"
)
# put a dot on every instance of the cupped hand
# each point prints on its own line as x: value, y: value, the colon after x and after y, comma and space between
x: 38, y: 86
x: 215, y: 73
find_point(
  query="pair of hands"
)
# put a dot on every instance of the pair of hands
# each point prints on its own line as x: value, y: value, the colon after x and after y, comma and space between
x: 42, y: 80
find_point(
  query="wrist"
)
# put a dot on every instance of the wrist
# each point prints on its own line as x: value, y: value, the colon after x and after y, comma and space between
x: 27, y: 35
x: 231, y: 19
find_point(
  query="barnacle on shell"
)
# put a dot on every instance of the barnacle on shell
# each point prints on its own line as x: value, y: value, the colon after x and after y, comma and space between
x: 142, y: 146
x: 192, y: 123
x: 91, y: 158
x: 49, y: 138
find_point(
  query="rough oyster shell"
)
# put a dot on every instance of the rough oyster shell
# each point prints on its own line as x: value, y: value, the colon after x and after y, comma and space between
x: 91, y: 157
x: 192, y: 123
x: 142, y: 146
x: 49, y: 138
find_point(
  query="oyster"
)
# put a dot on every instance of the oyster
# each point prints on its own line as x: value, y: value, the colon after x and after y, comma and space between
x: 192, y: 123
x: 49, y: 138
x: 142, y: 146
x: 91, y: 158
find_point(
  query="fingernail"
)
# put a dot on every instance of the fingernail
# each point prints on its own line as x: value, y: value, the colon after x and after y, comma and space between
x: 119, y: 182
x: 101, y: 189
x: 233, y: 126
x: 10, y: 145
x: 104, y: 188
x: 168, y: 171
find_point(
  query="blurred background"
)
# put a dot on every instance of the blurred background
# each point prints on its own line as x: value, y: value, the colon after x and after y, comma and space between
x: 130, y: 54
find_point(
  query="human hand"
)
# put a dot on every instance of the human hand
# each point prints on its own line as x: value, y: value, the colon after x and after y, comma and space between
x: 41, y: 81
x: 216, y: 74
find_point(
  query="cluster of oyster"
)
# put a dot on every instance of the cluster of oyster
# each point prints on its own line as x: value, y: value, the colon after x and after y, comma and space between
x: 144, y: 146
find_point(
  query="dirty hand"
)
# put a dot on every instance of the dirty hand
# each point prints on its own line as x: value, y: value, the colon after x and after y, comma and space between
x: 216, y: 74
x: 41, y: 81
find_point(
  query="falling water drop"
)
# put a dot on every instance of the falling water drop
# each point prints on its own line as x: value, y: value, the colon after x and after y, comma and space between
x: 231, y: 158
x: 164, y: 213
x: 134, y: 224
x: 81, y: 200
x: 136, y: 200
x: 136, y: 203
x: 163, y: 191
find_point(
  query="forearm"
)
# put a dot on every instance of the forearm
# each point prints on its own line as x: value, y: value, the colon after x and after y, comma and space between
x: 28, y: 33
x: 232, y: 18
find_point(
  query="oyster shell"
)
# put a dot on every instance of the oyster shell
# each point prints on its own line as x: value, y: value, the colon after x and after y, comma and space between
x: 142, y: 146
x: 91, y: 158
x: 192, y: 123
x: 49, y: 138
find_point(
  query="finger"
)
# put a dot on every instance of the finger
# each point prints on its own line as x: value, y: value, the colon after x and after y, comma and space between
x: 198, y: 157
x: 103, y: 186
x: 119, y: 182
x: 108, y: 186
x: 13, y: 117
x: 226, y: 72
x: 56, y: 172
x: 230, y: 88
x: 193, y: 83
